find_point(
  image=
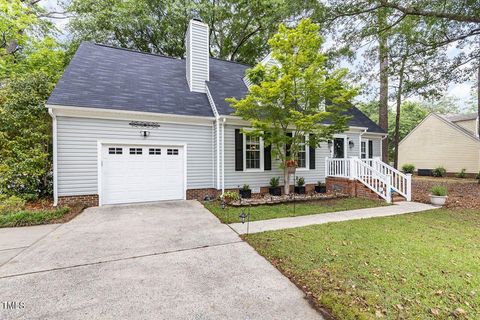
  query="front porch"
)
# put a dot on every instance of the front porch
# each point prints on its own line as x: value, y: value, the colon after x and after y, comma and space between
x: 346, y: 174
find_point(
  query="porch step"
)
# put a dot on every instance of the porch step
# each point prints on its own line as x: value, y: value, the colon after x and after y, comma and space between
x: 397, y: 197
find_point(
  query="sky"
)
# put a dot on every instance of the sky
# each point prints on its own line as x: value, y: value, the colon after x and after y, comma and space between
x: 461, y: 92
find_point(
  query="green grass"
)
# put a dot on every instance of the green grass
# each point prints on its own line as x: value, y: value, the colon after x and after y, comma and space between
x: 264, y: 212
x: 30, y: 218
x: 418, y: 266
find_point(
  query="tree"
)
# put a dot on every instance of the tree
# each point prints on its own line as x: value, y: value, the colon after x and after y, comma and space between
x: 289, y: 97
x: 239, y: 30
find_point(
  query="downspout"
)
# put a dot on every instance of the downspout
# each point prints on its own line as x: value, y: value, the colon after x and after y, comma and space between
x: 223, y: 155
x: 54, y: 143
x: 381, y: 146
x: 217, y: 120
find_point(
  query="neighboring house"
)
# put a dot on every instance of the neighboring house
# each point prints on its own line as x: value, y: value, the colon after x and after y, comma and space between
x: 448, y: 141
x: 134, y: 127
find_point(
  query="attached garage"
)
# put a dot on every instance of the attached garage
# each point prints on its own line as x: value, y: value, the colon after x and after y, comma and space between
x: 141, y: 173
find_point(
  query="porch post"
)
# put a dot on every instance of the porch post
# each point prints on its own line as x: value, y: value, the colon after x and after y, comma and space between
x: 409, y: 186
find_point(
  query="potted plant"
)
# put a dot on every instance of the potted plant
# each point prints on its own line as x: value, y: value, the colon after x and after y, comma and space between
x: 229, y: 197
x: 438, y: 196
x: 245, y: 192
x: 274, y: 189
x: 320, y: 187
x: 300, y: 187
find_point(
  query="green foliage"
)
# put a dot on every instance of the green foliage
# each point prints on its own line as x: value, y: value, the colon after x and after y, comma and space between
x: 245, y: 187
x: 409, y: 266
x: 300, y: 181
x: 292, y: 93
x: 273, y: 211
x: 25, y: 136
x: 408, y: 168
x: 440, y: 191
x: 11, y: 204
x: 239, y: 30
x: 30, y: 218
x: 320, y: 184
x: 274, y: 182
x: 462, y: 174
x: 230, y: 196
x: 439, y: 172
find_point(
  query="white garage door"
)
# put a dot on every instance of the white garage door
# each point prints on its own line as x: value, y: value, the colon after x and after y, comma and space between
x: 132, y: 173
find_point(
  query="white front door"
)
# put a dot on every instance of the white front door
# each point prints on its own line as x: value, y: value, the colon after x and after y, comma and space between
x: 136, y: 173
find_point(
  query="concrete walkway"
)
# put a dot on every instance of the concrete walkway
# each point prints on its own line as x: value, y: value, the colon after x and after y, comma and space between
x: 15, y: 240
x: 301, y: 221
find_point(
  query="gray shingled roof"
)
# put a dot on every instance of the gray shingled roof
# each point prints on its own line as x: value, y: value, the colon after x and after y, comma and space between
x: 461, y: 117
x: 112, y: 78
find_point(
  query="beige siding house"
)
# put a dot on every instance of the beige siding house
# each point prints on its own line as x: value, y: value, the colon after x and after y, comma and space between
x: 448, y: 141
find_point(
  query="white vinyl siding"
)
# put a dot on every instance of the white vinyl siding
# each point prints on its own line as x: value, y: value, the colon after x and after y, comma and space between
x: 77, y: 150
x: 234, y: 179
x: 197, y: 56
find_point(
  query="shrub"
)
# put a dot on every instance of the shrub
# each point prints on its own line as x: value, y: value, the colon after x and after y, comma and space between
x: 300, y: 181
x: 439, y: 172
x: 478, y: 177
x: 439, y: 191
x: 245, y: 187
x: 11, y: 204
x: 274, y: 182
x: 462, y: 174
x: 408, y: 168
x: 230, y: 196
x: 321, y: 184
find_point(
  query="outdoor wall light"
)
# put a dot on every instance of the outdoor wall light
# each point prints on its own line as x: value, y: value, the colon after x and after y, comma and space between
x: 144, y: 133
x: 351, y: 144
x: 330, y: 143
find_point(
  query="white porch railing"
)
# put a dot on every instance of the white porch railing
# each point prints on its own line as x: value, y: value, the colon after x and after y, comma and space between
x: 373, y: 173
x: 400, y: 182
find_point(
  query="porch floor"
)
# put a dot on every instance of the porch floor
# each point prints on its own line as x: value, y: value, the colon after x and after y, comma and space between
x: 301, y: 221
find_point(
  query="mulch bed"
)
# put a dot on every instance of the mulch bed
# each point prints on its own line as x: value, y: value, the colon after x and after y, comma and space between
x: 269, y: 199
x: 461, y: 194
x: 47, y: 204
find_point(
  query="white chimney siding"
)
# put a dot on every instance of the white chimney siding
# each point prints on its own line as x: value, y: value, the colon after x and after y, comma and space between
x: 197, y: 45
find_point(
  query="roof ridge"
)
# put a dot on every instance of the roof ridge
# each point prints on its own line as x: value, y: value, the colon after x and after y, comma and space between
x: 230, y: 61
x: 134, y: 51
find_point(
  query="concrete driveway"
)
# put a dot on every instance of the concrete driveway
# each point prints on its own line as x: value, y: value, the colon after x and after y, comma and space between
x: 170, y: 260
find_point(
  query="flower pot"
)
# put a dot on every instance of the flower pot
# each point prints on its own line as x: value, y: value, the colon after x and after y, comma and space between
x: 300, y: 190
x: 276, y: 191
x: 245, y: 194
x: 438, y: 200
x: 321, y: 189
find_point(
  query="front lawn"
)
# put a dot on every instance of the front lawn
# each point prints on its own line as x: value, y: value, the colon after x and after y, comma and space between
x: 264, y: 212
x: 30, y: 217
x: 417, y: 266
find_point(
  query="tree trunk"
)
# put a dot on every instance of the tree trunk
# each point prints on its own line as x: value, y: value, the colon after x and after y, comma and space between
x: 286, y: 179
x: 397, y: 116
x: 383, y: 103
x: 478, y: 100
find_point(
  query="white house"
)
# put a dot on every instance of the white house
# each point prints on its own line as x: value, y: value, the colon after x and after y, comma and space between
x: 134, y: 127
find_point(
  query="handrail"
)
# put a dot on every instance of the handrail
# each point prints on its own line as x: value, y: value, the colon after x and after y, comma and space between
x: 354, y: 168
x: 400, y: 182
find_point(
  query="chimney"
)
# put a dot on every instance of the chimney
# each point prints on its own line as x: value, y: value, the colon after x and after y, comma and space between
x: 197, y: 45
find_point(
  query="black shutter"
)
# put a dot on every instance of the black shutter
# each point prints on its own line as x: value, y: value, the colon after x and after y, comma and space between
x: 287, y: 147
x: 238, y: 150
x: 312, y: 155
x: 370, y: 149
x: 267, y: 158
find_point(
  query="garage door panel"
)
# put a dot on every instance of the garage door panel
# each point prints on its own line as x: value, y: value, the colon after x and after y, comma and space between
x: 142, y: 177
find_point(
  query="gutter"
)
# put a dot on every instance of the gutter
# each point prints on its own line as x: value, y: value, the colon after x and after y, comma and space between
x: 55, y: 170
x: 223, y: 155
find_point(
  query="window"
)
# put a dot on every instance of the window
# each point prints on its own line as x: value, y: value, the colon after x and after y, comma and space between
x: 115, y: 150
x: 172, y: 152
x: 253, y: 153
x: 155, y: 151
x: 135, y: 150
x: 363, y: 149
x: 302, y: 153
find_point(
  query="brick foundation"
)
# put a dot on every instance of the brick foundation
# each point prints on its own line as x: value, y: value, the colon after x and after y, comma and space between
x: 200, y: 194
x: 349, y: 187
x: 90, y: 200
